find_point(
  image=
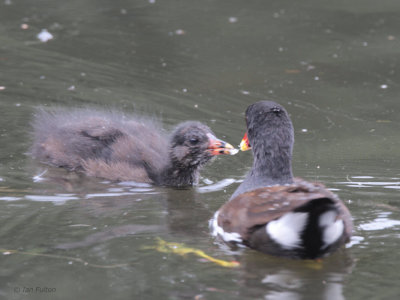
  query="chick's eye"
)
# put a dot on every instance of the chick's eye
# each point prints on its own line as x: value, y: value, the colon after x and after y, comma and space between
x: 194, y: 141
x: 276, y: 109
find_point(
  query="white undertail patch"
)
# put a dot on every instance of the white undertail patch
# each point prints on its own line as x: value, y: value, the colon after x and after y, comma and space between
x: 217, y: 230
x: 332, y: 229
x: 287, y: 230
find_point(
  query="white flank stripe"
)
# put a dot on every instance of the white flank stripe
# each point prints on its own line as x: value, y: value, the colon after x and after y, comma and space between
x: 287, y: 229
x: 332, y: 230
x: 219, y: 231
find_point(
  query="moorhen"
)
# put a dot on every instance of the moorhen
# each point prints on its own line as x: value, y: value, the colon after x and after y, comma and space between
x: 112, y: 146
x: 273, y: 212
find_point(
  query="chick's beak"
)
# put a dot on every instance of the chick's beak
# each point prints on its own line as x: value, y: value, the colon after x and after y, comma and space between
x: 245, y: 144
x: 218, y: 147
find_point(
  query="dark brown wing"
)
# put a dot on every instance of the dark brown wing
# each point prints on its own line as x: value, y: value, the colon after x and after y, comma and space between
x: 252, y: 209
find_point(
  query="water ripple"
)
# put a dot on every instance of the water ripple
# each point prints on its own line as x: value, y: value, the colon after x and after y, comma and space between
x: 56, y: 199
x: 380, y: 223
x: 216, y: 186
x: 387, y: 184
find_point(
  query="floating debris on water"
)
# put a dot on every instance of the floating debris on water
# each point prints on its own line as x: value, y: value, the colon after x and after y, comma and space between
x: 181, y: 249
x: 45, y: 36
x: 233, y: 19
x: 180, y: 32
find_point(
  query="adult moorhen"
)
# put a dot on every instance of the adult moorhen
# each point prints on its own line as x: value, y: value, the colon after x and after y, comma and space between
x: 273, y: 212
x: 112, y: 146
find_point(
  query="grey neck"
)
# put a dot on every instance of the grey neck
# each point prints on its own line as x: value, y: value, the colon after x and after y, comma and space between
x: 270, y: 167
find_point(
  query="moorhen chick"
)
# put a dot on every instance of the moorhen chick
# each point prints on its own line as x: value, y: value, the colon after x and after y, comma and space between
x: 112, y: 146
x: 273, y: 212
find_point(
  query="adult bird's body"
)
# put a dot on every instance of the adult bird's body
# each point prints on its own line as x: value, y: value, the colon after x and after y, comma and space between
x: 273, y: 212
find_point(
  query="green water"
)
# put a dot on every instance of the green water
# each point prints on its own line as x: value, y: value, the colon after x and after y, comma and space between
x: 333, y: 64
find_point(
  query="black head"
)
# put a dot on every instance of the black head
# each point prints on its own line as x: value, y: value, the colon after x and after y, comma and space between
x: 268, y: 124
x: 193, y: 144
x: 270, y: 136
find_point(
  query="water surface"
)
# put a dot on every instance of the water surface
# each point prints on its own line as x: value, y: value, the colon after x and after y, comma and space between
x: 333, y: 65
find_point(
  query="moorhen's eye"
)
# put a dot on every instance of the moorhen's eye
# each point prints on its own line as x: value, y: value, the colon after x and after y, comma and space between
x: 194, y: 141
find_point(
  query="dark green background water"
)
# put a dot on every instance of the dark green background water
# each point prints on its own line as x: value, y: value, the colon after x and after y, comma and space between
x: 333, y: 64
